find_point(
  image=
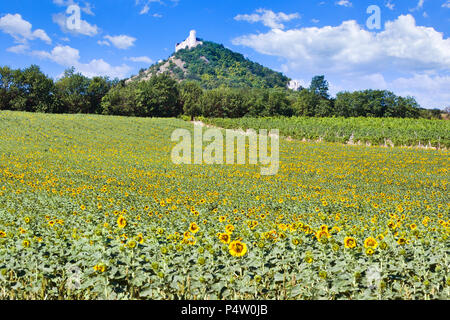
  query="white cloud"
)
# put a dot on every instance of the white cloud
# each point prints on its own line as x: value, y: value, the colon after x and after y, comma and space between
x: 68, y: 57
x: 121, y: 41
x: 146, y: 4
x: 85, y: 27
x: 344, y: 3
x: 103, y: 43
x: 145, y: 9
x: 21, y: 48
x: 63, y: 2
x: 21, y: 30
x: 143, y: 59
x: 430, y: 90
x: 268, y: 18
x: 446, y: 4
x: 348, y: 47
x: 354, y: 58
x: 86, y: 9
x: 389, y: 5
x: 419, y: 6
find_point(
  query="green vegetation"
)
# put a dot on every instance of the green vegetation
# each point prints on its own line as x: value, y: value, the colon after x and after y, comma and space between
x: 91, y: 207
x: 162, y: 96
x: 31, y: 90
x: 212, y: 65
x: 400, y: 132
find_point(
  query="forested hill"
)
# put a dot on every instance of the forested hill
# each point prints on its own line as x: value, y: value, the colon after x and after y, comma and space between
x: 213, y: 65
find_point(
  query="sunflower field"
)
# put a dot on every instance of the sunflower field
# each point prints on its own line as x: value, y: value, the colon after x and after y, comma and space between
x: 91, y: 207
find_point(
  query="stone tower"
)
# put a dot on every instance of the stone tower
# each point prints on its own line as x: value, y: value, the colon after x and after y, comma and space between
x: 189, y: 43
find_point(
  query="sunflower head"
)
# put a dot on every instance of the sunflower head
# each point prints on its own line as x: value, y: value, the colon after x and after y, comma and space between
x: 370, y: 243
x: 224, y: 237
x: 229, y: 228
x: 237, y: 248
x: 121, y: 222
x: 350, y: 242
x: 193, y: 227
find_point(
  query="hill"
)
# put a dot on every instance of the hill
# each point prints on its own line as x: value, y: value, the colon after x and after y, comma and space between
x: 213, y: 65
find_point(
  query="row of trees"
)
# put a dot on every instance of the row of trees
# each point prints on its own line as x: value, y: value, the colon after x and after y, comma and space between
x: 31, y: 90
x: 162, y: 96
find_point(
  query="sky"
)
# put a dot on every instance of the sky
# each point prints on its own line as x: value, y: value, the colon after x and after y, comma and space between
x: 399, y: 45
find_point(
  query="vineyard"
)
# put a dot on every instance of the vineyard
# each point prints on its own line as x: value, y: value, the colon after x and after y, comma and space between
x: 91, y: 207
x: 376, y: 131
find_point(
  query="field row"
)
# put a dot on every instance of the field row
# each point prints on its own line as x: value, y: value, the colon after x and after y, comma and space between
x: 376, y: 131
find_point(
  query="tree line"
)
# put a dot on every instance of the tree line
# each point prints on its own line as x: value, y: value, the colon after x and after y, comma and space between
x: 161, y: 96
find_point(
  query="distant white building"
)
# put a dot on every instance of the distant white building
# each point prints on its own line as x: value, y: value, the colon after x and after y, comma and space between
x: 294, y: 85
x: 189, y: 43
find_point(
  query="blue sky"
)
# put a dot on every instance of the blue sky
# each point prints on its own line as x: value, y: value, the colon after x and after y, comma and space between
x: 409, y: 54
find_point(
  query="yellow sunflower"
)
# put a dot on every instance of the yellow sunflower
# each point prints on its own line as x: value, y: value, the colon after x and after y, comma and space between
x: 370, y: 243
x: 229, y: 228
x: 194, y: 228
x: 121, y: 222
x: 349, y: 242
x: 224, y: 237
x: 237, y: 248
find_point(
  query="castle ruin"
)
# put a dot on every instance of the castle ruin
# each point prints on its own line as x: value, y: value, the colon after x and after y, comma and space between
x: 189, y: 43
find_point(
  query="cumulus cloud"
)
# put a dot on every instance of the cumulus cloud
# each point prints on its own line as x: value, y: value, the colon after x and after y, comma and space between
x: 429, y: 90
x: 121, y: 42
x: 348, y: 47
x: 446, y: 4
x: 85, y: 28
x: 87, y: 8
x: 21, y: 30
x: 70, y: 57
x: 268, y: 18
x: 354, y: 58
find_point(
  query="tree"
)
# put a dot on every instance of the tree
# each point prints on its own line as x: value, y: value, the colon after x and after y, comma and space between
x: 212, y: 104
x: 120, y: 100
x: 97, y: 89
x: 158, y: 97
x: 319, y: 86
x: 26, y: 90
x: 447, y: 110
x: 72, y: 93
x: 6, y: 83
x: 375, y: 103
x: 190, y: 96
x: 306, y: 103
x: 39, y: 90
x: 278, y: 103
